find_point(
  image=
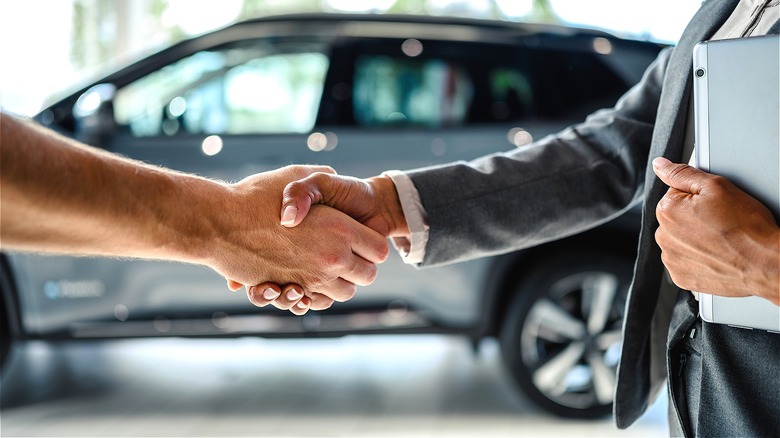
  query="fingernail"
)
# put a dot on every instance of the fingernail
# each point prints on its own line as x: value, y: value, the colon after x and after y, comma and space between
x: 289, y: 214
x: 660, y: 162
x: 270, y: 294
x: 301, y: 305
x: 293, y: 294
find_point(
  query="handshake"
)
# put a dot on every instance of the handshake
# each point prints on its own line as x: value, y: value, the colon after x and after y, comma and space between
x: 274, y: 228
x: 306, y: 237
x: 302, y: 237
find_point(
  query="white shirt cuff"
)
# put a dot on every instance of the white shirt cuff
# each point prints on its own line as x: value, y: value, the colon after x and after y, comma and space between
x: 411, y: 248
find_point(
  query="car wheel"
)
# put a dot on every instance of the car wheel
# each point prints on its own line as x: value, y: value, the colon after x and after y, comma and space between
x: 561, y: 337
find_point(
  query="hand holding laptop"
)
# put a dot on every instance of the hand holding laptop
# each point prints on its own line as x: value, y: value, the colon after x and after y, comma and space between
x: 715, y: 238
x: 719, y: 234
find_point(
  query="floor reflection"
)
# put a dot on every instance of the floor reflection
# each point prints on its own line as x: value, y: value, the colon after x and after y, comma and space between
x: 352, y: 386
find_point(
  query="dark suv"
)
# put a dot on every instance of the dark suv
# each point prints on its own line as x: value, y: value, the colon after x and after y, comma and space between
x: 363, y: 94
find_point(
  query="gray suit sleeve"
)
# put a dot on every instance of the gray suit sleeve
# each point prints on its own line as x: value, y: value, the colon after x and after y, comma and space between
x: 559, y: 186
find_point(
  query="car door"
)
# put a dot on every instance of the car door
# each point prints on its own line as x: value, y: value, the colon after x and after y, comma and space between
x: 223, y: 112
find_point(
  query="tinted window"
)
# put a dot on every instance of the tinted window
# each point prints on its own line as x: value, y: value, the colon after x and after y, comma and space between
x: 238, y: 90
x: 427, y: 92
x: 572, y: 84
x: 463, y: 83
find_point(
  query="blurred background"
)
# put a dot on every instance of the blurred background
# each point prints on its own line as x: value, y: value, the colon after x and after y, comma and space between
x: 51, y: 46
x: 369, y: 385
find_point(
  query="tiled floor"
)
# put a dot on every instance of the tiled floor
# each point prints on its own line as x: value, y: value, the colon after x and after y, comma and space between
x: 355, y: 386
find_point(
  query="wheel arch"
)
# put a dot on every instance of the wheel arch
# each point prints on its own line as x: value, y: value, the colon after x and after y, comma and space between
x: 620, y: 238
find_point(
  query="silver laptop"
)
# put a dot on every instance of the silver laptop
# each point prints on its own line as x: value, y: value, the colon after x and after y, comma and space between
x: 736, y: 87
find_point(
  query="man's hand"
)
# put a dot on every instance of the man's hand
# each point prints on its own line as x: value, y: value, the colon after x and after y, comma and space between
x: 714, y: 237
x: 373, y: 201
x: 291, y: 298
x: 328, y: 256
x: 61, y: 196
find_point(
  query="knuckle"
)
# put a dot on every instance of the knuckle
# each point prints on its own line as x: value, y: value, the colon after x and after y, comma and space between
x: 371, y: 274
x: 256, y: 299
x: 341, y: 230
x: 673, y: 277
x: 718, y: 183
x: 321, y: 303
x: 282, y: 303
x: 295, y: 170
x: 670, y: 268
x: 301, y: 171
x: 336, y: 260
x: 294, y: 189
x: 659, y: 237
x: 384, y: 251
x: 347, y: 293
x: 318, y: 178
x: 680, y: 171
x: 327, y: 169
x: 316, y: 278
x: 325, y: 305
x: 662, y: 208
x: 664, y: 259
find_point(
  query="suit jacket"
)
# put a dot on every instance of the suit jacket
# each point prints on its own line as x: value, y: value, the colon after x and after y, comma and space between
x: 576, y: 180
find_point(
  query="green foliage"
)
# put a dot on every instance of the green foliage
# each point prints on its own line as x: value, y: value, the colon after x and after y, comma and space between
x: 543, y: 12
x: 262, y: 8
x: 90, y: 44
x: 94, y: 38
x: 408, y: 7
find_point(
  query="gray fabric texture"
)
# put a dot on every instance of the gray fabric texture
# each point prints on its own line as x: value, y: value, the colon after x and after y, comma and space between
x: 723, y: 381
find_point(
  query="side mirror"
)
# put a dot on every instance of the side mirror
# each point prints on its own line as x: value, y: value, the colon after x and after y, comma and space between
x: 94, y: 115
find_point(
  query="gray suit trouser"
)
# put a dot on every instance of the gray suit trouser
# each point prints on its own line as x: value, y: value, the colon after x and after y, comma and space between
x: 723, y: 381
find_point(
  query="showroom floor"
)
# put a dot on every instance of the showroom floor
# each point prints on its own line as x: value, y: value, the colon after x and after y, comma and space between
x: 355, y: 386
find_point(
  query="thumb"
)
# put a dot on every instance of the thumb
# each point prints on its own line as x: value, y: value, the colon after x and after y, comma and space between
x: 298, y: 196
x: 678, y: 176
x: 297, y: 199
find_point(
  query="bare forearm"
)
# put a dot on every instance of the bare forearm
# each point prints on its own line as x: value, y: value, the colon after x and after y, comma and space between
x: 60, y: 196
x: 64, y: 197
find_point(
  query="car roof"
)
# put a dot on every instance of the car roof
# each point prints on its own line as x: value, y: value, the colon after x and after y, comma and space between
x: 332, y: 26
x: 416, y: 26
x: 485, y: 23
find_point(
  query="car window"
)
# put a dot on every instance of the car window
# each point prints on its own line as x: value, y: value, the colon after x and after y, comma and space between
x: 447, y: 83
x: 572, y: 85
x: 238, y: 90
x: 392, y: 91
x: 511, y: 93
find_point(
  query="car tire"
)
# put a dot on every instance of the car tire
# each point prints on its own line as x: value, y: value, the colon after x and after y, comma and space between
x: 561, y: 337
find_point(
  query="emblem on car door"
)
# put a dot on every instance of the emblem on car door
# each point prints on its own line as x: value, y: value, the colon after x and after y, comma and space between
x: 74, y: 289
